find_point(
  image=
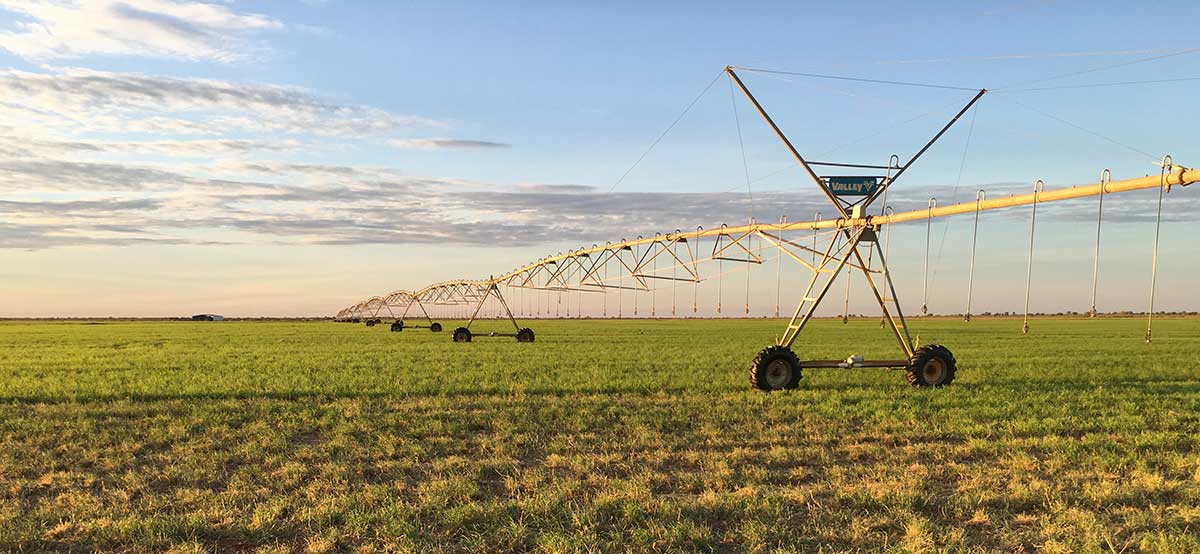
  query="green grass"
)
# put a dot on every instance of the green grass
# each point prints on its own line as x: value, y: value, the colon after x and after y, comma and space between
x: 601, y: 436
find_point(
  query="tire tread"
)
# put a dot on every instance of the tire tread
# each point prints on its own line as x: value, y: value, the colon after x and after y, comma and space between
x: 920, y: 356
x: 764, y: 358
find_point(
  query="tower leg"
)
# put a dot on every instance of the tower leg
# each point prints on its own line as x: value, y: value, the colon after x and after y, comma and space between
x: 522, y: 334
x: 777, y: 367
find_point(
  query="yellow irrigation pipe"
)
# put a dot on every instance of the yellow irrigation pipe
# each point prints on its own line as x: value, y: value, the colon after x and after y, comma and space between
x: 1175, y: 175
x: 1178, y: 175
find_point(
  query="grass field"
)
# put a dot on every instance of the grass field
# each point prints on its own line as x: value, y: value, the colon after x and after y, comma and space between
x: 601, y: 436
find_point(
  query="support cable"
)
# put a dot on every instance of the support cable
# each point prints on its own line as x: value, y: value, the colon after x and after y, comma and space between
x: 854, y: 79
x: 962, y: 164
x: 1100, y: 68
x: 879, y: 131
x: 1045, y: 55
x: 1037, y: 190
x: 666, y: 131
x: 654, y: 271
x: 779, y: 266
x: 742, y: 145
x: 1035, y: 56
x: 1086, y: 130
x: 720, y: 282
x: 893, y: 164
x: 621, y: 287
x: 696, y: 286
x: 980, y: 196
x: 1105, y: 177
x: 604, y: 311
x: 567, y: 278
x: 635, y: 278
x: 925, y: 281
x: 1098, y: 85
x: 674, y: 274
x: 817, y: 217
x: 750, y: 266
x: 1167, y: 162
x: 846, y: 307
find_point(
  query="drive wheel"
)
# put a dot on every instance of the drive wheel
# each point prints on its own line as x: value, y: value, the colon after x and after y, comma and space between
x: 931, y: 366
x: 397, y: 326
x: 525, y: 335
x: 462, y: 334
x: 775, y: 368
x: 370, y: 323
x: 435, y: 327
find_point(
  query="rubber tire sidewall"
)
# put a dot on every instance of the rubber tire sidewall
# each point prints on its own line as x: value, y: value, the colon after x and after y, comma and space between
x: 765, y: 358
x: 916, y: 376
x: 463, y: 332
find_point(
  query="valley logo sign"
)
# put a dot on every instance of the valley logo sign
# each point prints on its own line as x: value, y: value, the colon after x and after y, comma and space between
x: 843, y: 185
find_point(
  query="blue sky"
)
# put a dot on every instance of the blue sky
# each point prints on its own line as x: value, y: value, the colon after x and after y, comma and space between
x: 287, y: 158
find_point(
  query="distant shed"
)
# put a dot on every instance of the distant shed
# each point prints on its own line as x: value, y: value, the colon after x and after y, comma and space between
x: 208, y: 317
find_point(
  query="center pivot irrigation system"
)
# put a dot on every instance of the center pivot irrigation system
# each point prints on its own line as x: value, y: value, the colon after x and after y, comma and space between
x: 846, y: 237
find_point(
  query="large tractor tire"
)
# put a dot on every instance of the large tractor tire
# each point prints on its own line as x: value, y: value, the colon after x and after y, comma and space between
x: 775, y: 368
x: 462, y: 334
x: 931, y: 366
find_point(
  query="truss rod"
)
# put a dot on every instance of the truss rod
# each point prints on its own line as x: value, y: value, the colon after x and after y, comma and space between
x: 786, y: 142
x: 1177, y: 176
x: 468, y: 290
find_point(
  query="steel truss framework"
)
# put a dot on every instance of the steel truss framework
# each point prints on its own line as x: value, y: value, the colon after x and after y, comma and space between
x: 851, y: 243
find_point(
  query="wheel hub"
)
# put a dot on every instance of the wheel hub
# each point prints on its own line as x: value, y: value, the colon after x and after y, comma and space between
x: 934, y: 371
x: 778, y: 373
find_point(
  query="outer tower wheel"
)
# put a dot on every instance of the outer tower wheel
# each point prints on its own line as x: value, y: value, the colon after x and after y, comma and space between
x: 462, y: 334
x: 435, y: 327
x: 397, y: 326
x: 525, y: 335
x: 370, y: 323
x: 775, y: 368
x: 931, y: 366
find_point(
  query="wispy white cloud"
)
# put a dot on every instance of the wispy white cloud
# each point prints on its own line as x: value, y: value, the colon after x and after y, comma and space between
x: 123, y: 204
x: 84, y: 100
x: 42, y: 175
x: 445, y: 144
x: 537, y: 187
x: 56, y: 29
x: 14, y: 146
x: 126, y: 204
